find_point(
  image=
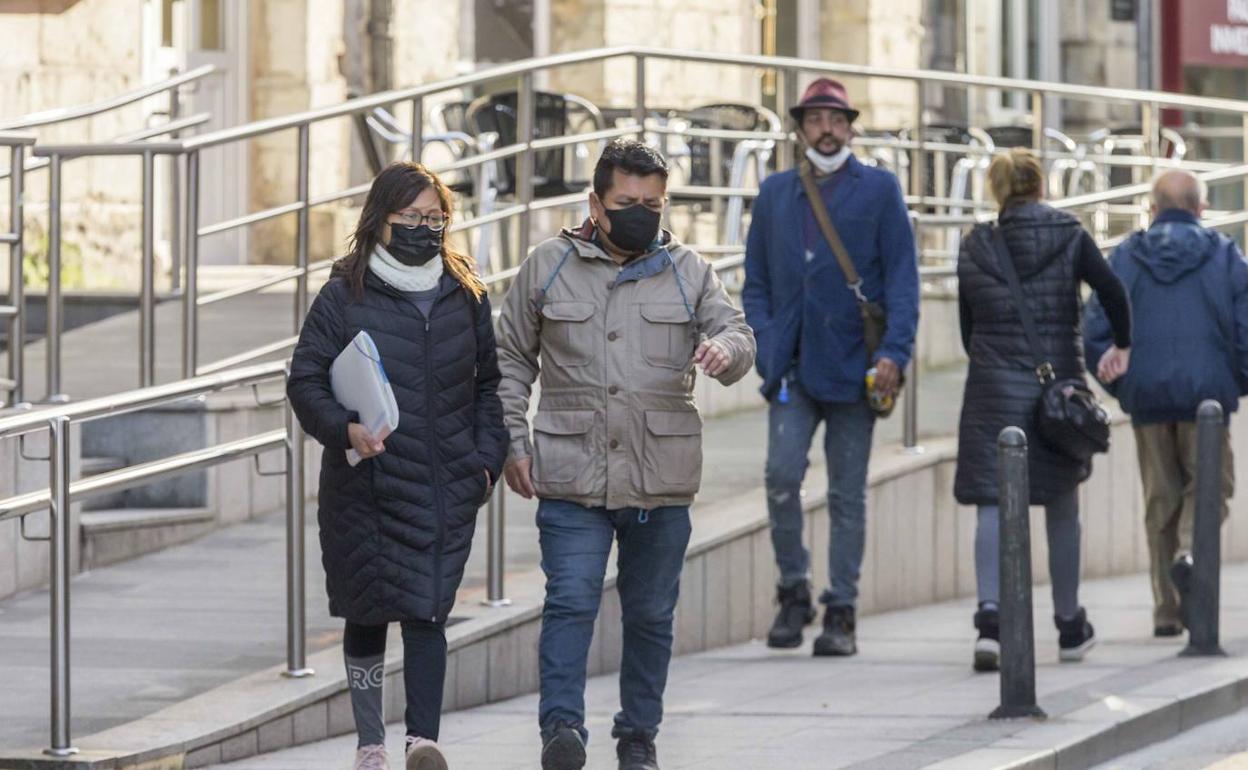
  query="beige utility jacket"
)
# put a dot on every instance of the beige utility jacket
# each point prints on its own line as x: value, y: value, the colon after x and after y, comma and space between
x: 616, y: 425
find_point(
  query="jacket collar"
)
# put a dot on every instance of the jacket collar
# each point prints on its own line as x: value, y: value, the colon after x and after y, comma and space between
x: 447, y: 284
x: 1176, y: 216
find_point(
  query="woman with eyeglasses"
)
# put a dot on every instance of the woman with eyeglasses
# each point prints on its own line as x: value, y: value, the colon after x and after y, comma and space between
x: 395, y: 529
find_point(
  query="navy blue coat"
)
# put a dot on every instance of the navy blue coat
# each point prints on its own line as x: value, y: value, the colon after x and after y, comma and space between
x: 803, y: 310
x: 396, y: 529
x: 1189, y: 288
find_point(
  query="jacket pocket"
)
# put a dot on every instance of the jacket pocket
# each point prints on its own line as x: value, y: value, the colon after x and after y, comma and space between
x: 672, y: 453
x: 666, y: 335
x: 567, y: 333
x: 561, y: 447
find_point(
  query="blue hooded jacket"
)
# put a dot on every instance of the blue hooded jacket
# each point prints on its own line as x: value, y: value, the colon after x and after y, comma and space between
x: 801, y: 310
x: 1189, y: 292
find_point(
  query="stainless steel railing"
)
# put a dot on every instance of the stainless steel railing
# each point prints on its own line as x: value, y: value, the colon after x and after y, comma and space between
x: 17, y: 144
x: 57, y: 421
x: 522, y: 73
x: 20, y: 165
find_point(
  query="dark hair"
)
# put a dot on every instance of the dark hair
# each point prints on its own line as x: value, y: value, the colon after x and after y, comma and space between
x: 395, y: 188
x: 630, y: 156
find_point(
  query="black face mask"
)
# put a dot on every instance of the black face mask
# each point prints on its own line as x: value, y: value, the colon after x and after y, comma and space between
x: 414, y: 246
x: 633, y: 229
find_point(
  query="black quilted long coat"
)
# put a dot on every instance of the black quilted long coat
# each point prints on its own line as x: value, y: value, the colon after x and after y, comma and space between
x: 396, y: 529
x: 1001, y: 387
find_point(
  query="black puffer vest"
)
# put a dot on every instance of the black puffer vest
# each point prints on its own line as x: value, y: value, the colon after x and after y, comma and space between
x: 1002, y: 388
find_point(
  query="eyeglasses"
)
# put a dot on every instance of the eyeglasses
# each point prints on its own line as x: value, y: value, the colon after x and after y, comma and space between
x: 436, y: 221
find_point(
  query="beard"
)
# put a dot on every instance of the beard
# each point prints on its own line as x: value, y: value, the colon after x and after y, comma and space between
x: 826, y: 141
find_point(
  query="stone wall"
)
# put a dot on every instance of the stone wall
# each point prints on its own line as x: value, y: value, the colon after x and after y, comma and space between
x: 724, y: 26
x: 882, y: 34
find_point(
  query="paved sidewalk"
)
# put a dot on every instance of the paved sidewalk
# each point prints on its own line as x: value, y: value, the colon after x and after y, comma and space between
x: 909, y: 700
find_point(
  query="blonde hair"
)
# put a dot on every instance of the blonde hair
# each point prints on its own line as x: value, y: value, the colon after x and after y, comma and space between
x: 1016, y: 177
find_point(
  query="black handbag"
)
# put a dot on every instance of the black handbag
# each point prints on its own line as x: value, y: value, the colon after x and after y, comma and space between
x: 1069, y: 418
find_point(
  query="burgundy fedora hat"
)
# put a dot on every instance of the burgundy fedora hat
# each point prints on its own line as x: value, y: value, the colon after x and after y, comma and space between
x: 824, y: 92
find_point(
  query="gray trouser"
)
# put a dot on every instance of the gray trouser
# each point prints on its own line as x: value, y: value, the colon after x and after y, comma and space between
x: 1061, y: 522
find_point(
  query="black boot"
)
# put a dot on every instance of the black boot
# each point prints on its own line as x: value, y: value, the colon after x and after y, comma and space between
x: 636, y: 752
x: 988, y: 645
x: 1075, y: 637
x: 838, y: 637
x: 563, y: 748
x: 796, y: 612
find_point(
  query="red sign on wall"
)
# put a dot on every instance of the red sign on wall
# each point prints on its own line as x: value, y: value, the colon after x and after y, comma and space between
x: 1214, y: 33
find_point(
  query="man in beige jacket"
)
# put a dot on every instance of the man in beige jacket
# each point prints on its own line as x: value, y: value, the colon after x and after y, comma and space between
x: 615, y: 317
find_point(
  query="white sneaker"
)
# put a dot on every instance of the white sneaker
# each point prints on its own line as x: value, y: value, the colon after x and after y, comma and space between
x: 372, y: 758
x: 423, y: 754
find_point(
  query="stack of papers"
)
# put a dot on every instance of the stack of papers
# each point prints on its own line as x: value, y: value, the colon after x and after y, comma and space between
x: 360, y: 384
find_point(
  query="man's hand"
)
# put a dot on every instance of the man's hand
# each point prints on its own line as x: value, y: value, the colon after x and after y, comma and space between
x: 887, y: 377
x: 363, y: 442
x: 712, y: 357
x: 1113, y: 364
x: 519, y: 476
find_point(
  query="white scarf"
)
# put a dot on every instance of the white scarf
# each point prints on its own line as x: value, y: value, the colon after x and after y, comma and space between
x: 828, y: 164
x: 405, y: 277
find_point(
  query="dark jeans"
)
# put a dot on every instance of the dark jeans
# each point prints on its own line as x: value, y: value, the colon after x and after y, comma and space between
x: 847, y: 444
x: 576, y: 542
x: 424, y: 668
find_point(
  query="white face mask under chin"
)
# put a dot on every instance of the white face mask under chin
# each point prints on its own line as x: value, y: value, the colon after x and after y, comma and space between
x: 828, y: 164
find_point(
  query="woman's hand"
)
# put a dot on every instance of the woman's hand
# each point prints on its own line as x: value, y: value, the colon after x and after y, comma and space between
x: 1113, y: 364
x: 363, y: 442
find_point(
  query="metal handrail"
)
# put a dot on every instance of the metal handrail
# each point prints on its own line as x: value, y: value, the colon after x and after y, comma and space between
x: 131, y: 401
x: 62, y: 492
x: 66, y: 114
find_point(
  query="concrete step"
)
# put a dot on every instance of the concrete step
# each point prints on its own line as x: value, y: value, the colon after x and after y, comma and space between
x: 116, y: 534
x: 94, y: 466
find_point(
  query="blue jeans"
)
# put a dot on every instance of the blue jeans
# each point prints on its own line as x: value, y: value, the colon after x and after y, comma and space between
x: 847, y: 445
x: 576, y: 542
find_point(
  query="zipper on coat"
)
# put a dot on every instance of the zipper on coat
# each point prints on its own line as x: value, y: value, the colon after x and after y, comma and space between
x: 440, y: 543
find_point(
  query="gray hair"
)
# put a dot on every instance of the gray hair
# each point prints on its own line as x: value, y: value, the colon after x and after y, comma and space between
x: 1177, y: 188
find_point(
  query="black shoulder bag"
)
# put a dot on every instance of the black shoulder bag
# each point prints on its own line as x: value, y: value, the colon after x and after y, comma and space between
x: 1069, y: 419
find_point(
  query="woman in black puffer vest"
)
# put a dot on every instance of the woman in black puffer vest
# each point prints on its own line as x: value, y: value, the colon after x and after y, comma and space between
x: 1053, y: 255
x: 395, y: 529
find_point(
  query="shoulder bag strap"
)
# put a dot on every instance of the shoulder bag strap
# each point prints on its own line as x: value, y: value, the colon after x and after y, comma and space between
x: 1044, y: 369
x: 852, y: 279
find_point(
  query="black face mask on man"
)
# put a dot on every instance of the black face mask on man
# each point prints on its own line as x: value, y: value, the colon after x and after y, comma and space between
x: 414, y: 246
x: 633, y: 229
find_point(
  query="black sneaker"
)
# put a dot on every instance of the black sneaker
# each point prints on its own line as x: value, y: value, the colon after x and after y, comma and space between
x: 636, y: 752
x: 1075, y: 637
x: 1181, y: 576
x: 838, y: 637
x: 988, y: 645
x: 796, y: 612
x: 563, y: 748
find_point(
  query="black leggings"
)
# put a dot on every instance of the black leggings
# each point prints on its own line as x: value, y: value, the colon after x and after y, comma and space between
x: 424, y: 668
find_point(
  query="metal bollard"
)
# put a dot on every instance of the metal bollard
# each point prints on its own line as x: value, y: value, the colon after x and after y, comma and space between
x: 296, y: 601
x: 495, y: 521
x: 58, y: 480
x: 1202, y: 600
x: 1018, y: 636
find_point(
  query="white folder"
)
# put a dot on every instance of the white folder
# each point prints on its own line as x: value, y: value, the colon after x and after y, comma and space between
x: 360, y: 384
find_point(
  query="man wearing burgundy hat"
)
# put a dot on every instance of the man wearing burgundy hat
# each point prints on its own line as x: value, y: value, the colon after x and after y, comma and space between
x: 813, y: 352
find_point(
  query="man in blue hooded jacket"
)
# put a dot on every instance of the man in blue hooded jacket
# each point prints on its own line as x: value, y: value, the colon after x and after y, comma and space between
x: 1189, y: 286
x: 812, y: 352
